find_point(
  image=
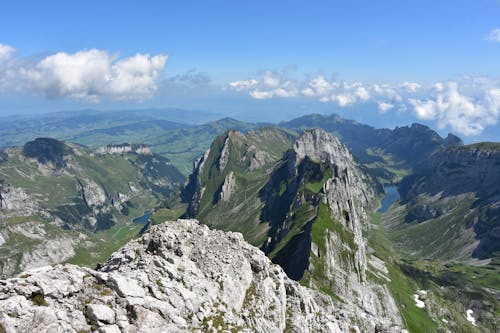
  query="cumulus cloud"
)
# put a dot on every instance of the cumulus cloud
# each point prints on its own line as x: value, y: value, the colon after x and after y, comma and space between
x: 274, y: 85
x: 270, y: 79
x: 89, y: 75
x: 6, y: 51
x: 467, y: 106
x: 411, y: 86
x: 242, y: 85
x: 384, y: 106
x: 494, y: 35
x: 271, y: 84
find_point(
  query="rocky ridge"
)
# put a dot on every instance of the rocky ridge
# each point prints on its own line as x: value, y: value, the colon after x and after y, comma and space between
x: 124, y: 148
x: 339, y: 259
x: 178, y: 277
x: 459, y: 186
x: 310, y: 199
x: 55, y: 196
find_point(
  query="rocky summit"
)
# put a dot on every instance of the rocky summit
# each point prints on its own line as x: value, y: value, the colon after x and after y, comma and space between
x: 180, y: 276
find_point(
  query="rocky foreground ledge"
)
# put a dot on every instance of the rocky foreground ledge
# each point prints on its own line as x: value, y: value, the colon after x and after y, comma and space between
x: 178, y: 277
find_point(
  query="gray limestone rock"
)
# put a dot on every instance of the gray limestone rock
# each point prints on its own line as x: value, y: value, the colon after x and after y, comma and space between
x: 178, y: 277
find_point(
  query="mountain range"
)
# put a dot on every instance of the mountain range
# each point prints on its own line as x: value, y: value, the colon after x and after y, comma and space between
x: 309, y: 193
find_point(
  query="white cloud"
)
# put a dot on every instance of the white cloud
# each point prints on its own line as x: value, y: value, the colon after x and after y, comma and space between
x: 384, y: 106
x: 411, y: 86
x: 89, y: 75
x: 242, y: 85
x: 468, y: 107
x: 6, y: 51
x: 343, y: 99
x: 425, y: 110
x: 362, y: 93
x: 257, y: 94
x: 494, y: 35
x: 438, y: 86
x: 270, y: 79
x: 318, y: 86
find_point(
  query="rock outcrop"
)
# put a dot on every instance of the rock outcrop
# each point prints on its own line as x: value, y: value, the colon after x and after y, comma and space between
x: 228, y: 187
x: 178, y: 277
x: 473, y: 168
x: 16, y: 199
x: 459, y: 190
x: 47, y: 151
x: 305, y: 206
x: 124, y: 149
x: 338, y: 258
x: 54, y: 196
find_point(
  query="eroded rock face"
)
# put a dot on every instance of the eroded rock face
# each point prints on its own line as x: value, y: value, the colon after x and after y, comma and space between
x: 459, y: 170
x: 178, y: 277
x: 228, y: 187
x: 47, y: 151
x: 348, y: 194
x: 15, y: 198
x: 124, y: 148
x: 449, y: 181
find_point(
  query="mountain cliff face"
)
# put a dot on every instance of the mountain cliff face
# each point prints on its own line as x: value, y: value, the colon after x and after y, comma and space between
x: 124, y: 148
x: 178, y: 277
x: 389, y: 153
x: 457, y: 189
x: 307, y: 205
x: 58, y: 200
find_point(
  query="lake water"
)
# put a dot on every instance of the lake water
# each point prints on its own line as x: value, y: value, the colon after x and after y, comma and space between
x: 143, y: 219
x: 390, y: 197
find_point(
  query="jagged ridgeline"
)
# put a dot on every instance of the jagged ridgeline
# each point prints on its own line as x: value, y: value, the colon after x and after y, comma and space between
x: 451, y: 206
x: 61, y: 201
x: 390, y: 153
x: 303, y: 200
x: 178, y: 277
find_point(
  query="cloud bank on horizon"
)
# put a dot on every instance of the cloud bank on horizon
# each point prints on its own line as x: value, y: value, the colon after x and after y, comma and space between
x: 467, y: 105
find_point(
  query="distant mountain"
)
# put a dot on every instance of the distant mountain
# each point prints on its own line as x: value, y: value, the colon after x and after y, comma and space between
x: 311, y: 207
x: 452, y: 205
x: 60, y: 201
x: 183, y: 146
x: 183, y: 135
x: 96, y: 128
x: 390, y: 153
x: 180, y: 135
x: 302, y: 200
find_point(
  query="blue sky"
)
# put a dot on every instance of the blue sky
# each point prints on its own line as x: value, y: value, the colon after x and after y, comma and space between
x: 283, y: 45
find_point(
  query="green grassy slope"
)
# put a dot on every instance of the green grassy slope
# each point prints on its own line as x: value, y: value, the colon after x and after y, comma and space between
x: 88, y: 202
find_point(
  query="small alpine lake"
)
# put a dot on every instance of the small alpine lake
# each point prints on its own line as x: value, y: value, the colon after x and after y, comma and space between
x: 390, y: 197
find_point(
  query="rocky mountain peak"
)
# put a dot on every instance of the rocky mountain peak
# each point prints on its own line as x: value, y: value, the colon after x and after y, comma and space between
x: 321, y: 146
x: 178, y: 277
x: 47, y: 151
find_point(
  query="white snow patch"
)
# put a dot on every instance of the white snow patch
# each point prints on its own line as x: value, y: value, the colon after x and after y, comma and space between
x: 419, y: 303
x: 470, y: 318
x: 445, y: 321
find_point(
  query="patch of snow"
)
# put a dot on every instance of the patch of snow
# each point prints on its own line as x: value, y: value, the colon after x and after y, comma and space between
x: 445, y: 321
x: 418, y: 302
x: 470, y: 318
x: 422, y: 292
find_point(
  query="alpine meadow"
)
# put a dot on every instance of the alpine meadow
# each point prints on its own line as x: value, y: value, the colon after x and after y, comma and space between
x: 264, y: 166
